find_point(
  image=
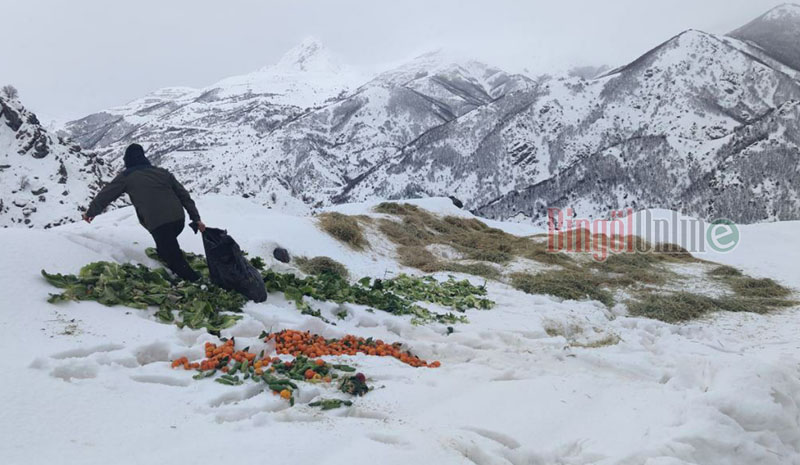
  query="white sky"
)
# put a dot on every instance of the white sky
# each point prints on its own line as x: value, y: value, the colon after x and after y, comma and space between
x: 69, y: 58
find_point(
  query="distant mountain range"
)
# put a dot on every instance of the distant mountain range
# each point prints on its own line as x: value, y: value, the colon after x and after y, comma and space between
x: 706, y: 124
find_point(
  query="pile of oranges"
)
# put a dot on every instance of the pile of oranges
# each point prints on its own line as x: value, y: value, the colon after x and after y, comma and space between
x: 219, y: 356
x: 297, y: 343
x: 183, y: 361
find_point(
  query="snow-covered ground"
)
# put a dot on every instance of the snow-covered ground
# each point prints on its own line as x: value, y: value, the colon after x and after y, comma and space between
x: 89, y: 384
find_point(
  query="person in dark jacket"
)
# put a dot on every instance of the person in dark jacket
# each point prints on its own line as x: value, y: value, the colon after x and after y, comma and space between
x: 159, y: 200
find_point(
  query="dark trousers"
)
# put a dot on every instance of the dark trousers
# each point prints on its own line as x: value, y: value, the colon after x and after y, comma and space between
x: 166, y: 237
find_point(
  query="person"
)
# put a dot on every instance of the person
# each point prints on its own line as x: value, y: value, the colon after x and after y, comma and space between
x: 159, y: 200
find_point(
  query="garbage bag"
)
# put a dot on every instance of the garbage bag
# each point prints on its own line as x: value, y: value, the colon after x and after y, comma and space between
x: 229, y: 269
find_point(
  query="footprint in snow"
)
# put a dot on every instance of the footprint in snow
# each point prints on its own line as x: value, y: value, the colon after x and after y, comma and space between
x: 238, y: 395
x: 82, y: 369
x: 238, y: 414
x: 150, y: 353
x: 390, y: 439
x: 83, y: 352
x: 361, y: 412
x: 290, y: 415
x: 495, y: 436
x: 161, y: 379
x: 474, y: 452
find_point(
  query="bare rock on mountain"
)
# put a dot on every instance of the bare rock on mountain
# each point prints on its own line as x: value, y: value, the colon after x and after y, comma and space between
x: 44, y: 180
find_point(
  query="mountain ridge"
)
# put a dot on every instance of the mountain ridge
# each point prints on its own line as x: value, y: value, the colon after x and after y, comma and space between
x: 437, y: 126
x: 776, y: 32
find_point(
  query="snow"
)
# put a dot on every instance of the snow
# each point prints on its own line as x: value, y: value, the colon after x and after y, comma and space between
x: 785, y: 11
x: 90, y: 384
x: 305, y: 76
x: 37, y: 192
x: 310, y: 55
x: 765, y: 250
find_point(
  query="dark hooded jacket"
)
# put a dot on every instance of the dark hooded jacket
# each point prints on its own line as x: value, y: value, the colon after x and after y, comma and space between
x: 155, y: 193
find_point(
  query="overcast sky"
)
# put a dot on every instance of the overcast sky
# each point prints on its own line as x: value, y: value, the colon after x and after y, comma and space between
x: 71, y: 58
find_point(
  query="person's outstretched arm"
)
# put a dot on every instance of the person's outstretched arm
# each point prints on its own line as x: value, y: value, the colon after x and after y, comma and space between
x: 107, y: 194
x: 187, y: 202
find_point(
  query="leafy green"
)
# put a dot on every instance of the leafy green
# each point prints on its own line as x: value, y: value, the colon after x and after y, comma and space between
x: 258, y: 263
x: 329, y: 404
x: 198, y: 304
x: 459, y: 295
x: 397, y: 296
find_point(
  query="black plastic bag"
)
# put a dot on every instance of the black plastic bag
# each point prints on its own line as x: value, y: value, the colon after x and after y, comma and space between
x: 229, y: 269
x: 281, y: 254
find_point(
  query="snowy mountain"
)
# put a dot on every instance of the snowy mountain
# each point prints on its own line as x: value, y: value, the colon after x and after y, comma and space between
x: 702, y: 123
x: 44, y: 179
x: 197, y: 132
x: 231, y: 139
x: 305, y: 76
x: 777, y: 33
x: 696, y: 125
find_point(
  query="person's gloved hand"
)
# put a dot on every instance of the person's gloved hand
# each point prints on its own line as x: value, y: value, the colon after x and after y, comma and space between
x: 197, y: 226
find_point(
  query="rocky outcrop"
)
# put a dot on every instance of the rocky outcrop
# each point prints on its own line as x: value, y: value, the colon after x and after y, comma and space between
x: 44, y: 180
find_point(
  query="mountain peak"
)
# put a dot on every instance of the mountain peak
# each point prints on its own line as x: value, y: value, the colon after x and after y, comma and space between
x: 309, y: 56
x: 680, y: 46
x: 692, y: 35
x: 785, y: 11
x: 776, y: 32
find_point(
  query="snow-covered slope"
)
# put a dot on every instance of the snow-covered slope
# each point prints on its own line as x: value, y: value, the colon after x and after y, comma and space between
x: 195, y: 131
x: 321, y: 155
x: 777, y: 32
x: 696, y: 125
x: 44, y: 180
x: 703, y: 123
x: 657, y: 132
x: 305, y: 76
x: 522, y: 383
x: 232, y: 139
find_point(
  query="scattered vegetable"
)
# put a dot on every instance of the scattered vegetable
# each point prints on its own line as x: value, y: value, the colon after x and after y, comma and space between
x: 459, y: 295
x: 299, y: 343
x: 355, y: 385
x: 329, y: 404
x: 397, y: 296
x: 198, y: 304
x: 279, y: 375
